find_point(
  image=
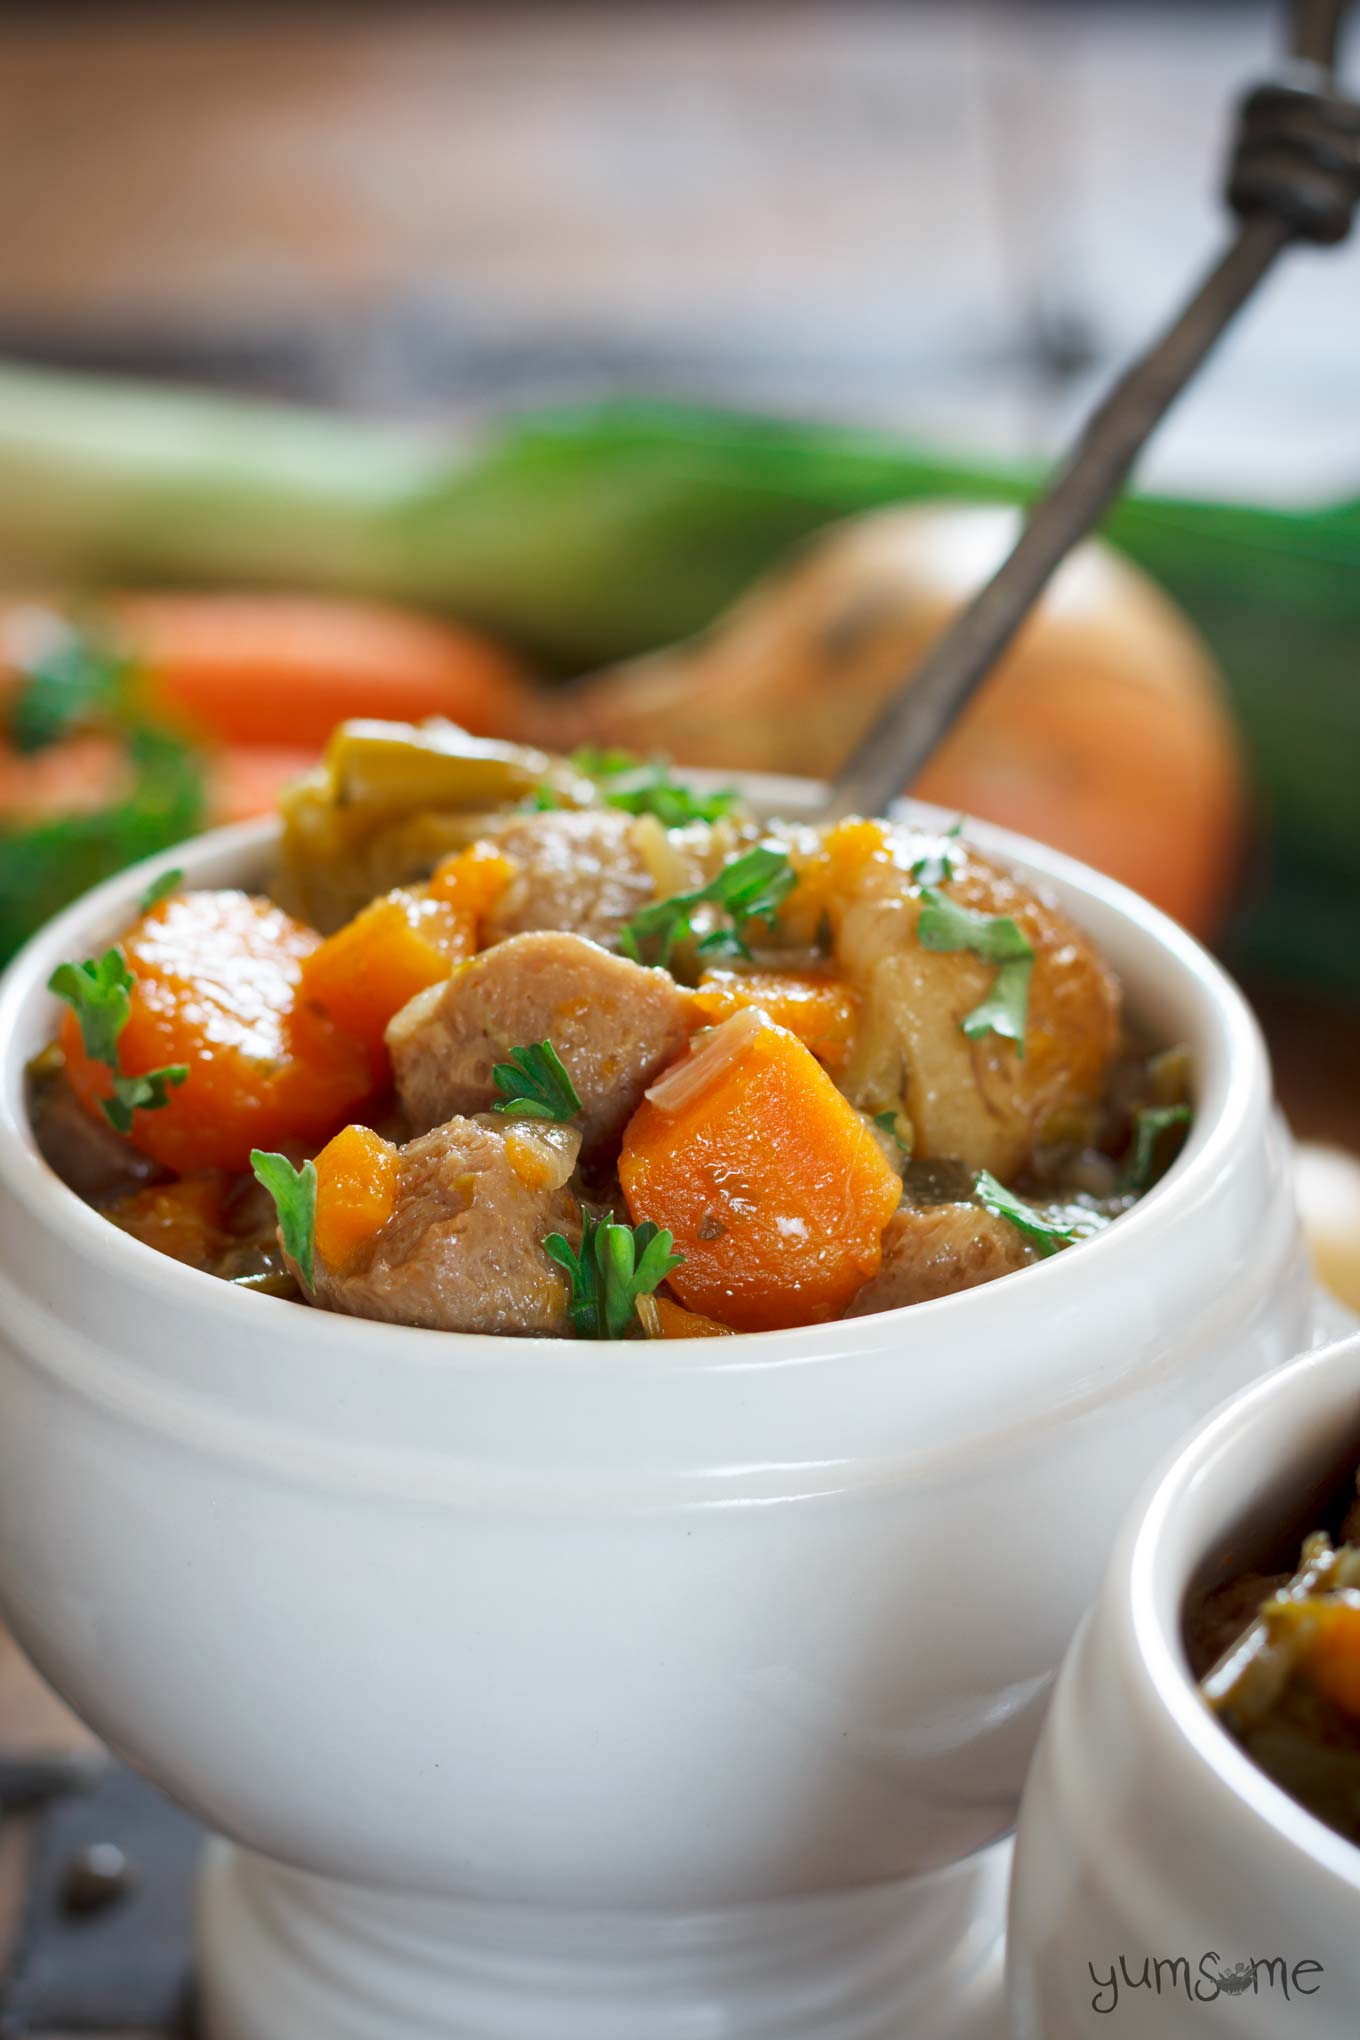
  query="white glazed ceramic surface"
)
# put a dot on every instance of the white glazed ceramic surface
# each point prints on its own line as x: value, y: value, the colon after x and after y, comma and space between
x: 652, y: 1631
x: 1146, y: 1832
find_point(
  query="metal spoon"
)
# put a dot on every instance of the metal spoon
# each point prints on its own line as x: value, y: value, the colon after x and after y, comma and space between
x: 1295, y: 176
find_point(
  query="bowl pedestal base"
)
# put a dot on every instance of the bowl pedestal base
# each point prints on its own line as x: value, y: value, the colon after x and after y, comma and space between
x: 288, y: 1956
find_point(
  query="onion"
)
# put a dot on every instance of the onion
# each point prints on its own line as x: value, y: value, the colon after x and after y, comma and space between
x: 685, y: 1079
x: 1103, y: 731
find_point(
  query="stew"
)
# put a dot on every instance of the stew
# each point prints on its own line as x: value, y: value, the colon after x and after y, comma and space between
x: 518, y: 1044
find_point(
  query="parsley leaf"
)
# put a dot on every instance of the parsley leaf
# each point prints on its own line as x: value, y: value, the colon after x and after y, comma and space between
x: 652, y: 791
x: 161, y: 888
x: 99, y: 994
x: 1049, y: 1229
x: 640, y: 789
x: 889, y: 1123
x: 616, y: 1265
x: 535, y: 1085
x: 937, y: 866
x: 294, y: 1194
x: 593, y: 763
x: 945, y: 925
x: 752, y: 888
x: 65, y: 678
x: 1149, y: 1124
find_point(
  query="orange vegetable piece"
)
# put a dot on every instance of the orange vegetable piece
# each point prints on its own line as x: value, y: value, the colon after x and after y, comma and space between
x: 356, y: 1193
x: 216, y: 987
x: 821, y: 1011
x: 186, y: 1220
x: 392, y: 949
x: 472, y: 880
x: 678, y: 1323
x: 399, y: 945
x: 831, y: 870
x: 774, y: 1187
x: 271, y: 668
x: 1334, y: 1653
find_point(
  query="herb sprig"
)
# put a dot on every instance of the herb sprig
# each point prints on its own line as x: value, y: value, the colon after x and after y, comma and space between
x: 651, y: 790
x: 996, y: 938
x: 535, y: 1084
x: 752, y: 887
x: 294, y: 1194
x: 160, y: 889
x: 890, y: 1123
x: 623, y: 781
x: 1047, y: 1230
x: 99, y: 993
x: 66, y: 678
x: 616, y: 1265
x: 1149, y: 1124
x: 937, y: 866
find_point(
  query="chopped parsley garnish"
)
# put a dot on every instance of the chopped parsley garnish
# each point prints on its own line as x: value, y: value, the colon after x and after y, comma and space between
x: 937, y: 866
x: 752, y: 888
x: 889, y: 1122
x: 625, y: 782
x: 161, y: 889
x: 99, y: 994
x: 1048, y: 1229
x: 294, y: 1194
x: 534, y: 1084
x: 616, y: 1265
x: 1149, y: 1124
x: 652, y: 791
x: 66, y: 678
x: 996, y: 938
x: 593, y: 763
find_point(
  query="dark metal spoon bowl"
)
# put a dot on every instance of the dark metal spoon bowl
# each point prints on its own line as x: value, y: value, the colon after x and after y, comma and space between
x: 1295, y: 176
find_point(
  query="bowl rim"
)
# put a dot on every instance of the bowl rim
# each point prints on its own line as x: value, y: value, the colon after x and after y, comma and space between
x: 1243, y: 1094
x: 1157, y: 1563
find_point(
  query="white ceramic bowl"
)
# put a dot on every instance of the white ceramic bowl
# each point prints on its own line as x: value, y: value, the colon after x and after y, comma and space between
x: 1147, y: 1833
x: 642, y: 1692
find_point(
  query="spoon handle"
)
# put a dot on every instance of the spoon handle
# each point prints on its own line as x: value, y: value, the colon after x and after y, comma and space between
x: 1295, y: 176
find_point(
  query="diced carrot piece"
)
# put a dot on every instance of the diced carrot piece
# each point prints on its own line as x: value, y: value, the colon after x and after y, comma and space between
x: 186, y: 1220
x: 216, y: 978
x: 356, y: 1193
x: 472, y: 880
x: 678, y: 1323
x: 821, y: 1011
x: 1333, y: 1653
x: 830, y: 871
x: 773, y: 1186
x: 394, y: 947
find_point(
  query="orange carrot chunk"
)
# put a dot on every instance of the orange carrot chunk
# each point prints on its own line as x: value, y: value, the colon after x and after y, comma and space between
x: 1334, y: 1655
x: 678, y: 1323
x: 821, y: 1011
x: 472, y: 880
x: 356, y: 1193
x: 252, y: 667
x: 393, y: 948
x: 216, y: 984
x: 186, y: 1219
x: 774, y: 1187
x: 401, y: 944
